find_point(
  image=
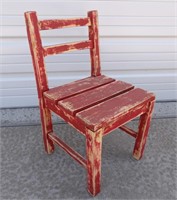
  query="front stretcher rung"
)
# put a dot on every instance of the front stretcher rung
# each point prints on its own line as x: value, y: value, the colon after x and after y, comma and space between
x: 68, y: 149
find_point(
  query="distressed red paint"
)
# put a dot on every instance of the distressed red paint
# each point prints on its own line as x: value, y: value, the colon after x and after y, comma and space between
x: 63, y: 23
x: 68, y: 149
x: 94, y: 105
x: 94, y: 97
x: 94, y: 36
x: 77, y: 87
x: 50, y: 50
x: 40, y: 75
x: 144, y: 125
x: 96, y: 117
x: 93, y: 151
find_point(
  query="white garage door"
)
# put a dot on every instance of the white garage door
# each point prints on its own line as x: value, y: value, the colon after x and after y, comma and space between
x: 137, y: 41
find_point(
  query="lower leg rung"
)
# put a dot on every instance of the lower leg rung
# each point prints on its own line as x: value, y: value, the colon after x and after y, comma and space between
x: 129, y: 131
x: 68, y: 149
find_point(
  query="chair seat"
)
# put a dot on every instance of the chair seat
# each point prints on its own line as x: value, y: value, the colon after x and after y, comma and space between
x: 116, y: 110
x: 76, y: 87
x: 99, y: 101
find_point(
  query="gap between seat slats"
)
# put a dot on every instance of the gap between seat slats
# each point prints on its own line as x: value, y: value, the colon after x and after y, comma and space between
x: 73, y: 105
x: 77, y: 87
x: 61, y: 48
x: 63, y: 23
x: 94, y: 117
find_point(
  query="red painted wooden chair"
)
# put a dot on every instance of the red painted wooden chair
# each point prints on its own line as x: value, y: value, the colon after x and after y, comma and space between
x: 95, y: 105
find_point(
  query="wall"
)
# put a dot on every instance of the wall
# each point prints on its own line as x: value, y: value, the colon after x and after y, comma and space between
x: 137, y: 41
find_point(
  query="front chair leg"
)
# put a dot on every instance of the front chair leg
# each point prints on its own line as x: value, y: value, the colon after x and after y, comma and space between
x: 144, y: 125
x: 46, y: 121
x: 93, y: 151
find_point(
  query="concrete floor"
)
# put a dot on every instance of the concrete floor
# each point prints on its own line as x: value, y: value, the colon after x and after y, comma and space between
x: 27, y: 172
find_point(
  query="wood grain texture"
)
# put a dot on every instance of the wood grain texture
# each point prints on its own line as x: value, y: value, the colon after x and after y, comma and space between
x: 125, y: 118
x: 66, y: 117
x: 36, y: 51
x: 40, y: 75
x: 102, y: 114
x: 63, y: 23
x: 93, y: 151
x: 94, y: 36
x: 56, y: 49
x: 76, y: 87
x: 47, y: 127
x: 144, y: 125
x: 92, y: 97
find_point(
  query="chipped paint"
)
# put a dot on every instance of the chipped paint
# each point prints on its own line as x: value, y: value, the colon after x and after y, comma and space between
x: 63, y: 23
x: 105, y: 108
x: 66, y: 117
x: 46, y: 120
x: 102, y: 114
x: 56, y: 49
x: 94, y: 97
x: 144, y: 125
x: 94, y: 36
x: 40, y: 74
x: 93, y: 151
x: 77, y: 87
x: 37, y: 55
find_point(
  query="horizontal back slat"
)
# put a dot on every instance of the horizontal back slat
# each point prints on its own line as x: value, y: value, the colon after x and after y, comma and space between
x: 50, y: 50
x: 63, y: 23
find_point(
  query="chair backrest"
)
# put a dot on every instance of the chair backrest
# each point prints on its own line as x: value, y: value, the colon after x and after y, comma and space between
x: 38, y: 52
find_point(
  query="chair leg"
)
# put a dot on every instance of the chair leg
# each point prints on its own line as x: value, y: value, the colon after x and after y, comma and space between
x: 93, y: 151
x: 144, y: 125
x: 46, y: 121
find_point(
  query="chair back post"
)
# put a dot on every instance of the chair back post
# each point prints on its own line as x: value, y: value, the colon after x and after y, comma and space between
x: 36, y: 49
x: 94, y: 36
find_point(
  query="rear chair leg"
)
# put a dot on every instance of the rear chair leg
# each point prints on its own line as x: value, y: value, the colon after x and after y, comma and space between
x: 46, y: 120
x: 93, y: 151
x: 144, y: 125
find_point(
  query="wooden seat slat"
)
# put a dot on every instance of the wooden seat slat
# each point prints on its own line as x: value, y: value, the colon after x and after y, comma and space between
x: 102, y: 114
x: 79, y: 102
x: 76, y: 87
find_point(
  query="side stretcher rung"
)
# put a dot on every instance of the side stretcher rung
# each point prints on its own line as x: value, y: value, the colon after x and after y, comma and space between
x: 129, y: 131
x: 50, y: 50
x: 68, y: 149
x: 63, y: 23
